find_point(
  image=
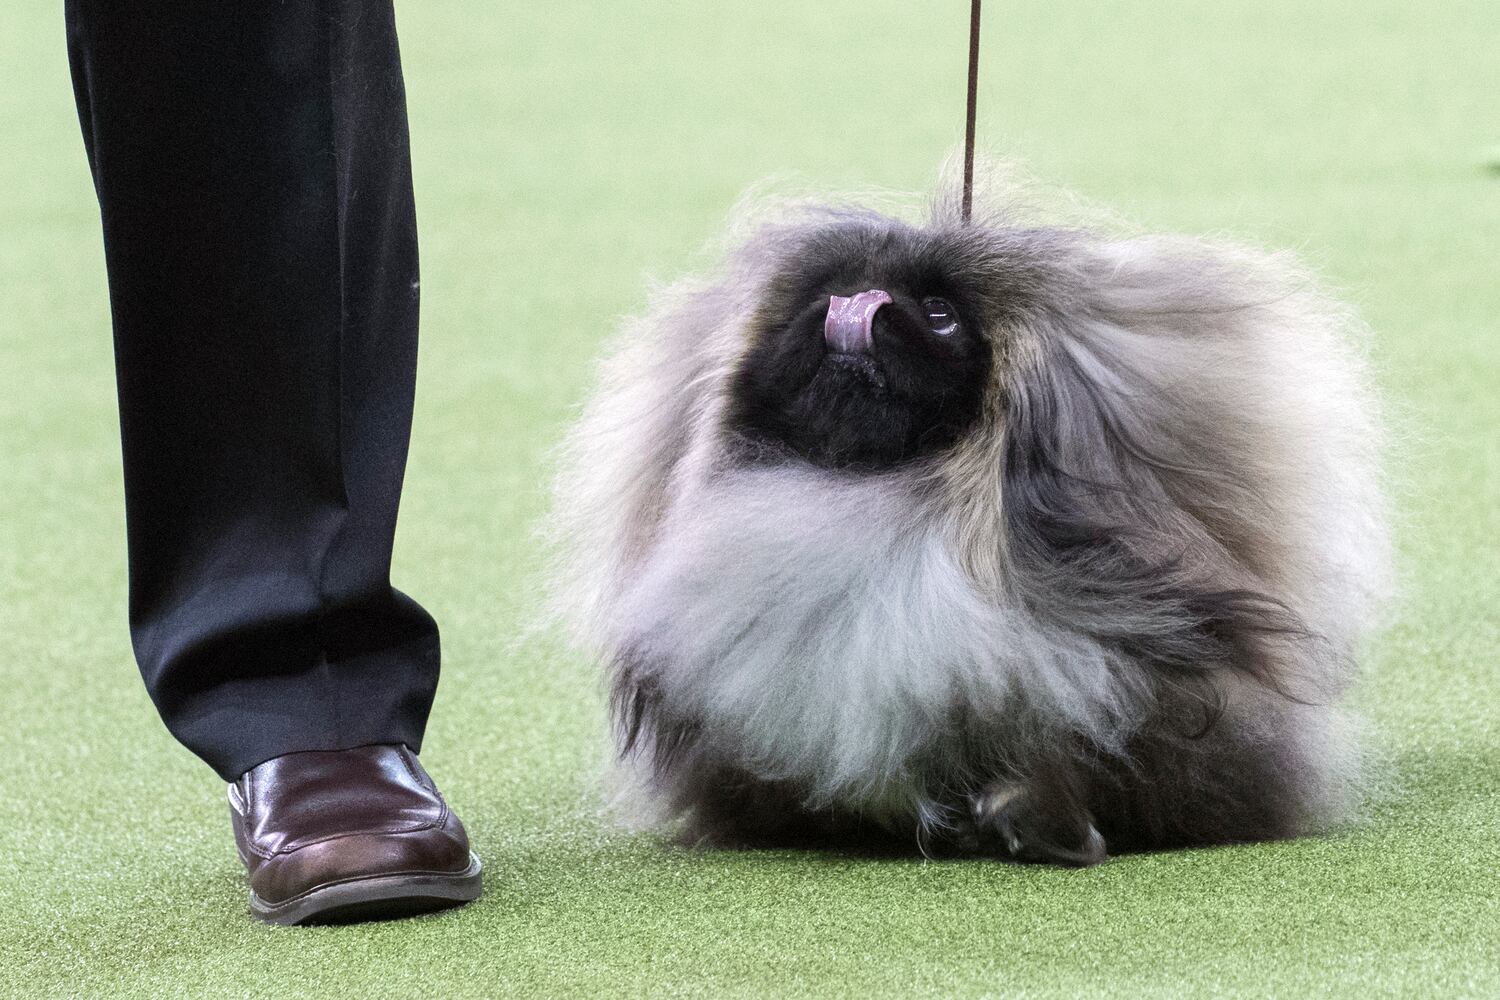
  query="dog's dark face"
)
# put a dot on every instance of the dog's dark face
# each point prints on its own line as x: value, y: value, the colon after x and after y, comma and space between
x: 870, y: 351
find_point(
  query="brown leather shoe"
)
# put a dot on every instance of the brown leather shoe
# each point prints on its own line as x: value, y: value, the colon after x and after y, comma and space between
x: 329, y: 836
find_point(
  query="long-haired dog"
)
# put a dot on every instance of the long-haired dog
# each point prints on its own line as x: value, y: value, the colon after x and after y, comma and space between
x: 1026, y: 541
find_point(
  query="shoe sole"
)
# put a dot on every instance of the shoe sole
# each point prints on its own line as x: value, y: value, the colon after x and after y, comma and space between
x: 380, y: 897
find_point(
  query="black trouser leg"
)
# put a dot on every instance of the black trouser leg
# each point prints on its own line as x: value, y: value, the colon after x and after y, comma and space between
x: 253, y: 175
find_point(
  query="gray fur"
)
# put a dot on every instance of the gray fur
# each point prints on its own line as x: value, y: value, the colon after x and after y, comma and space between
x: 1140, y: 585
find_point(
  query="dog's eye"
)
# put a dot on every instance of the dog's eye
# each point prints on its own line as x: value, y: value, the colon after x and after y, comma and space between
x: 942, y: 318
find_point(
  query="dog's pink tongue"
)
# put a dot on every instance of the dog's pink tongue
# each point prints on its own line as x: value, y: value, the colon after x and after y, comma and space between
x: 847, y: 328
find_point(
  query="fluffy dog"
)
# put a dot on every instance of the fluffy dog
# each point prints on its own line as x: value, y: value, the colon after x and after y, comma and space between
x: 1028, y: 541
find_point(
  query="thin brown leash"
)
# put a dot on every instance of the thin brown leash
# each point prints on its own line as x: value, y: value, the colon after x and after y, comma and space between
x: 968, y: 203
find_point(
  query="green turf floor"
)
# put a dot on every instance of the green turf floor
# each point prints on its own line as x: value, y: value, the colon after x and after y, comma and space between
x: 566, y: 152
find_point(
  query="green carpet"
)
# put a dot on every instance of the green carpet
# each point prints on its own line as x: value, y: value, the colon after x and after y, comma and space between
x: 566, y: 153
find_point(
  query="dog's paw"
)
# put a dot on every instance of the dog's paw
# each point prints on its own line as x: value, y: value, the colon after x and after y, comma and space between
x: 1014, y: 821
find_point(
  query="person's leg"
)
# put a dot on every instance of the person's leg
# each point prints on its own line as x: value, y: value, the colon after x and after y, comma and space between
x: 253, y: 175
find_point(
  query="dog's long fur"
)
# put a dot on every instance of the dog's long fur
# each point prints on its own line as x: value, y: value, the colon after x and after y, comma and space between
x: 1139, y: 582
